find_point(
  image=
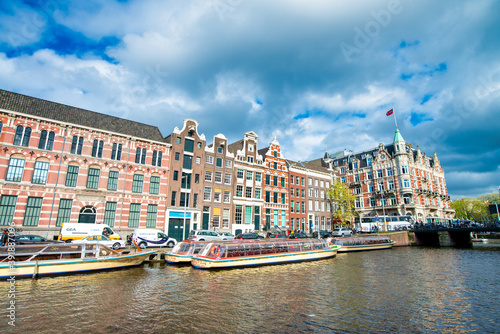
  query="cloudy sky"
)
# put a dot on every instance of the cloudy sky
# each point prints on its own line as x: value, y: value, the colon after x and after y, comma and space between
x: 316, y: 74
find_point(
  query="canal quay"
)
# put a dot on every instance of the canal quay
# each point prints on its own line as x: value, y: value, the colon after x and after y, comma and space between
x: 402, y: 290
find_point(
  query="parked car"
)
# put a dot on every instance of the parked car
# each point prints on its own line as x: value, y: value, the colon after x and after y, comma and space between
x: 342, y: 232
x: 276, y: 235
x: 324, y: 234
x: 24, y: 239
x: 227, y: 236
x: 100, y: 239
x: 298, y: 236
x: 205, y: 235
x: 150, y: 237
x: 249, y: 235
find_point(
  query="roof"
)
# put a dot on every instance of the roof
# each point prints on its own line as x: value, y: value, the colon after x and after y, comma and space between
x: 234, y: 147
x: 64, y: 113
x: 398, y: 136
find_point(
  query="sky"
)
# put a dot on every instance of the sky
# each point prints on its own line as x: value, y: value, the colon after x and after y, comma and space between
x: 316, y: 75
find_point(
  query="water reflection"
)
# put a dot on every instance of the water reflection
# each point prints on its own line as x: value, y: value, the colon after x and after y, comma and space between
x: 404, y: 290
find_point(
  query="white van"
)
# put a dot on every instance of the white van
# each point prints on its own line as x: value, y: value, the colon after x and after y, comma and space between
x: 77, y: 231
x: 150, y: 237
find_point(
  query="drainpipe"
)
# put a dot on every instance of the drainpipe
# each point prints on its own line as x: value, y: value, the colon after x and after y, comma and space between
x: 57, y: 181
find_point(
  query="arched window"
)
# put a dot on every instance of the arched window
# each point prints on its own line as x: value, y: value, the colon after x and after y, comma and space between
x: 97, y: 148
x: 22, y: 136
x: 40, y: 171
x: 46, y: 142
x: 87, y: 215
x: 15, y: 169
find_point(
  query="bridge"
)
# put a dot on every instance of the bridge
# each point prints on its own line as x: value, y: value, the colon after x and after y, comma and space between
x: 453, y: 236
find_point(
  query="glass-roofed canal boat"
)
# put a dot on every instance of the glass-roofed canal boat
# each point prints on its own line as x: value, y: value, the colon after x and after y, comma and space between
x: 356, y: 244
x: 183, y: 252
x: 245, y: 253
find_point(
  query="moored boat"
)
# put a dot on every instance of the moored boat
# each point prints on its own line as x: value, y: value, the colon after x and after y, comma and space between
x: 261, y: 252
x: 55, y: 259
x: 356, y: 244
x: 184, y: 251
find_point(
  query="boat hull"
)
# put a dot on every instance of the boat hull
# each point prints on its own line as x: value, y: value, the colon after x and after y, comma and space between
x: 68, y: 266
x: 177, y: 259
x: 208, y: 263
x: 360, y: 248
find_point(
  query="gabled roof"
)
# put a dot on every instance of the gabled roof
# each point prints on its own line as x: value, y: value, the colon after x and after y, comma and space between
x: 63, y: 113
x: 234, y: 147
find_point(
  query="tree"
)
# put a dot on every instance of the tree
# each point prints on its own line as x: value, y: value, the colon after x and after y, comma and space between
x: 470, y: 209
x: 341, y: 201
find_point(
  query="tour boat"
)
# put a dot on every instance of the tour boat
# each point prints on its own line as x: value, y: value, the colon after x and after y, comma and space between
x: 246, y: 253
x: 184, y: 251
x: 355, y: 244
x: 54, y: 259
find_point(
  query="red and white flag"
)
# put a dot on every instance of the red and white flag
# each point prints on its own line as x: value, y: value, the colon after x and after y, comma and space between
x: 389, y: 113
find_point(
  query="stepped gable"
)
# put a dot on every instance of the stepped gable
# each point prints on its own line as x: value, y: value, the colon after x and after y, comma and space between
x: 64, y: 113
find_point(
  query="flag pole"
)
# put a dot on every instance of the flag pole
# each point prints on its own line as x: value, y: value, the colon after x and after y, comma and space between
x: 395, y: 120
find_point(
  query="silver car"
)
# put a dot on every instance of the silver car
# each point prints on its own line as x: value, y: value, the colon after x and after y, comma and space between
x: 342, y: 232
x: 204, y: 235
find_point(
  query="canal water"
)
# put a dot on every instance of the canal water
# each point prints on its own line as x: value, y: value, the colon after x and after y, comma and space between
x: 403, y: 290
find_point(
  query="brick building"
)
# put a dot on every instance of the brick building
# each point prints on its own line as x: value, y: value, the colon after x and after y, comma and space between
x: 64, y: 164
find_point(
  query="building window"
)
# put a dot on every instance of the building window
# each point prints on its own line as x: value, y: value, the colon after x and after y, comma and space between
x: 97, y: 148
x: 15, y: 170
x: 355, y: 165
x: 257, y: 193
x: 283, y: 196
x: 7, y: 209
x: 207, y: 194
x: 250, y: 159
x: 46, y: 142
x: 172, y: 200
x: 157, y: 157
x: 154, y: 185
x: 381, y: 186
x: 342, y: 170
x: 217, y: 196
x: 116, y: 152
x: 134, y: 215
x: 218, y: 177
x: 198, y: 160
x: 238, y: 212
x: 275, y: 181
x: 258, y: 177
x: 188, y: 145
x: 140, y: 155
x: 219, y: 149
x: 275, y: 197
x: 210, y: 159
x: 76, y: 145
x: 151, y: 215
x: 64, y: 211
x: 239, y: 173
x: 227, y: 196
x: 208, y: 176
x: 356, y: 177
x: 368, y: 162
x: 390, y: 184
x: 268, y: 196
x: 23, y: 136
x: 249, y: 175
x: 187, y: 162
x: 283, y: 182
x: 227, y: 178
x: 248, y: 192
x: 372, y: 201
x: 380, y: 173
x: 229, y: 164
x: 40, y: 172
x: 71, y: 176
x: 225, y: 218
x: 406, y: 183
x: 239, y: 191
x: 33, y: 209
x: 218, y: 162
x: 389, y: 171
x: 292, y: 206
x: 404, y: 169
x: 195, y: 200
x: 177, y: 156
x: 369, y: 175
x: 248, y: 214
x: 137, y: 183
x: 93, y: 178
x: 110, y: 214
x: 268, y: 179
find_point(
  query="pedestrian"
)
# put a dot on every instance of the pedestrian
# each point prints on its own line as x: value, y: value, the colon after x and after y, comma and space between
x: 5, y: 237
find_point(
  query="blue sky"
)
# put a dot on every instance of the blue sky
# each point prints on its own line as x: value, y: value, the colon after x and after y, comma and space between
x: 317, y: 74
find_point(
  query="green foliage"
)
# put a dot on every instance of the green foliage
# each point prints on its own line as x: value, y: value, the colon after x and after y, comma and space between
x: 475, y: 209
x: 341, y: 201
